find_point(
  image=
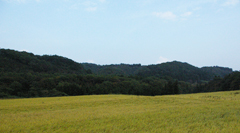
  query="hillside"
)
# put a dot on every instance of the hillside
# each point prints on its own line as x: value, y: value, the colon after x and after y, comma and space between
x: 27, y: 75
x: 15, y: 61
x: 170, y: 70
x: 218, y: 71
x: 229, y: 82
x: 177, y: 70
x: 114, y: 69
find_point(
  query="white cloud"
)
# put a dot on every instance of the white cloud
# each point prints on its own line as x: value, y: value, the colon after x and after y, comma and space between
x: 186, y: 14
x: 162, y: 60
x: 89, y: 3
x: 165, y: 15
x: 19, y: 1
x: 91, y: 9
x: 102, y: 1
x: 24, y: 50
x: 90, y: 6
x: 90, y: 61
x: 231, y: 2
x: 74, y: 7
x: 197, y: 8
x: 87, y: 6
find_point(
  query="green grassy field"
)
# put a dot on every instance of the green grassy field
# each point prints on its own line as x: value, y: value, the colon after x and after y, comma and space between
x: 204, y: 112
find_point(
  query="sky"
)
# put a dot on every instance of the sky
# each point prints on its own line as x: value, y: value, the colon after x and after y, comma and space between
x: 199, y: 32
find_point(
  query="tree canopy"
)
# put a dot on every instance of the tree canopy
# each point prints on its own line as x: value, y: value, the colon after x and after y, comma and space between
x: 24, y: 74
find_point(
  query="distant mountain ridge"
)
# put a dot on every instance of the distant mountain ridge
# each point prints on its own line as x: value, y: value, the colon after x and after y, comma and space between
x: 113, y: 69
x: 24, y: 74
x: 218, y: 71
x: 176, y: 70
x: 15, y: 61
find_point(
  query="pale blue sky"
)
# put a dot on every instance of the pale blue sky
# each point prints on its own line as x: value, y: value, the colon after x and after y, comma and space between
x: 200, y: 32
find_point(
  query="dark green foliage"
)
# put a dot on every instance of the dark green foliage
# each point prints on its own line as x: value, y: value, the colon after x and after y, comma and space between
x: 121, y: 69
x: 70, y: 88
x: 42, y: 85
x: 14, y: 61
x: 175, y: 87
x: 218, y: 71
x: 229, y: 82
x: 169, y: 71
x: 23, y: 74
x: 176, y: 70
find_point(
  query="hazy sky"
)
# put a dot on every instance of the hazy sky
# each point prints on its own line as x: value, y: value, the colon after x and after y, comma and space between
x: 200, y: 32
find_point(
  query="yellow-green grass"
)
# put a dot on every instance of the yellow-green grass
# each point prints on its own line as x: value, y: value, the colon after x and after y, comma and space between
x: 203, y: 112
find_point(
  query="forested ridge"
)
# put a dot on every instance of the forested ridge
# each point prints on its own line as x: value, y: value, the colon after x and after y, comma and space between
x: 14, y: 61
x: 173, y: 70
x: 24, y: 74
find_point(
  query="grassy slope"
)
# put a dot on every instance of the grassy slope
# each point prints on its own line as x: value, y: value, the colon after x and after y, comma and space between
x: 205, y: 112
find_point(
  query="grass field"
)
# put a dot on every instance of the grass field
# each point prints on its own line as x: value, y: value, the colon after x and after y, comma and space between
x: 204, y: 112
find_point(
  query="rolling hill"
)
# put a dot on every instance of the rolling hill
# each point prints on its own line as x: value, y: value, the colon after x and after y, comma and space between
x: 27, y: 75
x: 173, y: 70
x: 15, y: 61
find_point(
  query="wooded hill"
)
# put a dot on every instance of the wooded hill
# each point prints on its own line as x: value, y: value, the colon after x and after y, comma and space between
x: 14, y: 61
x: 24, y: 74
x: 170, y: 70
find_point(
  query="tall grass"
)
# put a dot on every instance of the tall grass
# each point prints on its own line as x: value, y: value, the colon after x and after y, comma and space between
x: 204, y: 112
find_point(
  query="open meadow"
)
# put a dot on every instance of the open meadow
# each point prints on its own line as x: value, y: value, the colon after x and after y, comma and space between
x: 203, y: 112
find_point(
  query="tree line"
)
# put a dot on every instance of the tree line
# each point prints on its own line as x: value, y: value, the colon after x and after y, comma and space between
x: 47, y: 85
x: 24, y: 74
